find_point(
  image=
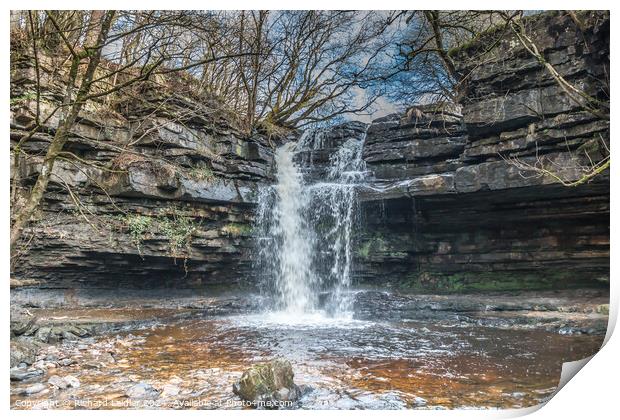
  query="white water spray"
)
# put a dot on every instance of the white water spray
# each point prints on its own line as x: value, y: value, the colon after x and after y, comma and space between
x: 306, y: 229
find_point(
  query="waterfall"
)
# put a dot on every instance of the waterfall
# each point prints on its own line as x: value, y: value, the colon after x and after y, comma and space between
x: 336, y: 204
x: 306, y: 227
x: 286, y: 243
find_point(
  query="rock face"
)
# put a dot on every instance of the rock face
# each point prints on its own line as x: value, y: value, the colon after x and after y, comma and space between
x: 159, y: 190
x: 316, y: 147
x: 422, y: 146
x: 461, y: 203
x: 154, y: 191
x: 268, y: 382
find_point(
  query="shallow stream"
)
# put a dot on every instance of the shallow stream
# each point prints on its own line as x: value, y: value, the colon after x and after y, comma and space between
x: 395, y: 351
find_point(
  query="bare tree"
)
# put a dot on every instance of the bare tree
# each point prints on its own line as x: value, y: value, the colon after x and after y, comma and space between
x: 593, y: 157
x: 100, y: 65
x: 295, y: 67
x: 425, y: 70
x: 78, y: 89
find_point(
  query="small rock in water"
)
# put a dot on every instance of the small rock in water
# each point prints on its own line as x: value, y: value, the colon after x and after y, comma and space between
x: 21, y: 374
x: 419, y: 402
x: 72, y: 381
x: 170, y: 390
x: 35, y: 389
x: 57, y: 381
x: 142, y: 391
x: 268, y: 384
x: 66, y: 382
x: 23, y: 352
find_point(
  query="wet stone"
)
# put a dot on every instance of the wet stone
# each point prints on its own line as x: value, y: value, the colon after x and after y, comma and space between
x: 170, y: 390
x: 272, y: 381
x: 34, y: 389
x: 64, y: 382
x: 142, y: 391
x: 23, y: 352
x: 21, y: 374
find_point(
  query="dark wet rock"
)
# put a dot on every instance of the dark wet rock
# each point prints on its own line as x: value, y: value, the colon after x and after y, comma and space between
x: 23, y: 374
x: 268, y: 382
x: 64, y: 382
x: 34, y: 389
x: 44, y: 334
x: 22, y: 320
x: 142, y: 391
x: 566, y: 312
x: 23, y: 351
x: 172, y: 166
x: 55, y: 333
x: 448, y: 210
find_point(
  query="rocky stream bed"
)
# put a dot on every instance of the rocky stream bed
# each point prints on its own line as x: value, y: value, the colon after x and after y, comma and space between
x: 397, y: 350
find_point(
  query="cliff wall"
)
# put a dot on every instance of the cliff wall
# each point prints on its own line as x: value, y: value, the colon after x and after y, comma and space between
x: 155, y: 189
x: 158, y: 189
x: 470, y: 197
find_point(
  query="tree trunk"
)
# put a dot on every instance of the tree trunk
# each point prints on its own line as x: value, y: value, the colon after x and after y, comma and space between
x: 33, y: 201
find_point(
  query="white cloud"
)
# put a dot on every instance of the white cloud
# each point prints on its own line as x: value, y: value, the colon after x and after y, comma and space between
x: 380, y: 108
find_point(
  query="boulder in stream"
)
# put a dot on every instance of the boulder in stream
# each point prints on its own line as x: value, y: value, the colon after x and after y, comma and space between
x: 65, y: 382
x: 268, y: 384
x: 23, y: 351
x: 142, y: 391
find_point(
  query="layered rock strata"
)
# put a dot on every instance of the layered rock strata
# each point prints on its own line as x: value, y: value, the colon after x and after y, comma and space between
x: 477, y: 201
x: 154, y: 190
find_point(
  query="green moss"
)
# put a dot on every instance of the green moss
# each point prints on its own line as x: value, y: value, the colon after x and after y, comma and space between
x: 237, y: 229
x: 24, y: 98
x: 179, y: 231
x: 201, y: 172
x: 603, y: 309
x: 138, y: 226
x: 364, y: 250
x: 376, y: 244
x: 478, y: 38
x: 485, y: 281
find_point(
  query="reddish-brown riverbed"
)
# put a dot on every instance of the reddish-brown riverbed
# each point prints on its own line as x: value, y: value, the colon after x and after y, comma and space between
x: 452, y: 360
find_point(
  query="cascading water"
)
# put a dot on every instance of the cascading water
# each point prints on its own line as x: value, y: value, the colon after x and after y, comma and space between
x: 336, y: 204
x: 306, y: 228
x: 286, y: 242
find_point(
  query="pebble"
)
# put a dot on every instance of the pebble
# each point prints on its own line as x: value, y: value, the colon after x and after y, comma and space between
x: 72, y: 381
x: 170, y: 390
x: 20, y: 374
x: 66, y: 382
x: 142, y: 391
x: 35, y: 389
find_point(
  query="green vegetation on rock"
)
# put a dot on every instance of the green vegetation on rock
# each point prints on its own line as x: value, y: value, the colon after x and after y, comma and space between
x: 237, y: 229
x: 201, y: 171
x: 177, y: 229
x: 487, y: 281
x: 138, y: 226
